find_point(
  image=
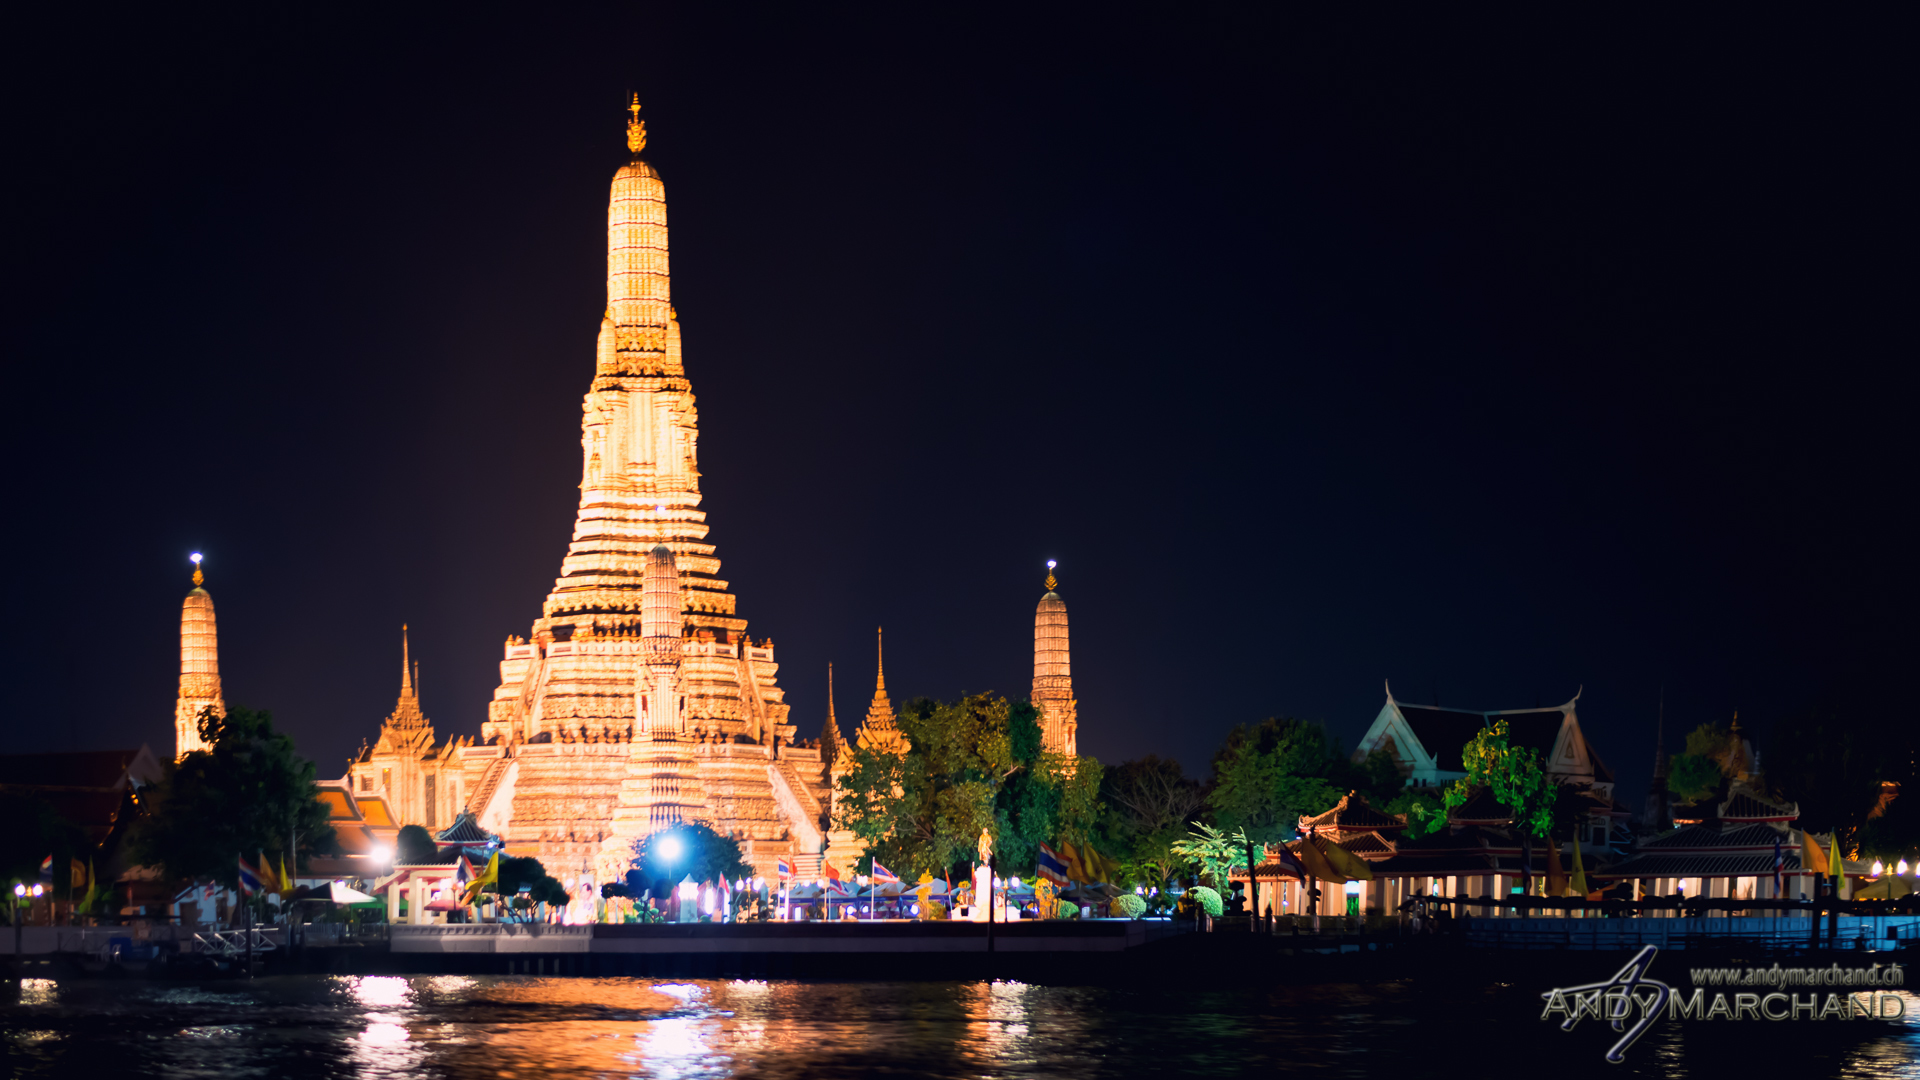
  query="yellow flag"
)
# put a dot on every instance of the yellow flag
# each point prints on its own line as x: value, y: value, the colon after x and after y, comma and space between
x: 286, y: 880
x: 1811, y: 857
x: 1837, y: 867
x: 93, y: 888
x: 1579, y: 884
x: 491, y: 876
x: 1316, y: 862
x: 1353, y: 866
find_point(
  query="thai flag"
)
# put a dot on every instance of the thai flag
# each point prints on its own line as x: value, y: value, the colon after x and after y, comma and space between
x: 883, y: 875
x: 786, y: 869
x: 250, y: 882
x: 1051, y: 866
x: 46, y: 868
x: 462, y: 875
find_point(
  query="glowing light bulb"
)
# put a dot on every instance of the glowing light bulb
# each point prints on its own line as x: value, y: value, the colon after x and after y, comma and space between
x: 1879, y: 868
x: 1051, y: 564
x: 196, y: 557
x: 1901, y: 868
x: 669, y: 848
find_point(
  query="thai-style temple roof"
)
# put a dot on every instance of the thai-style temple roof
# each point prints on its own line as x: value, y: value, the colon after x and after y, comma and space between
x: 1352, y: 814
x: 1481, y: 809
x: 94, y: 789
x: 1426, y: 740
x: 82, y: 769
x: 465, y: 832
x: 1696, y: 865
x: 1711, y: 837
x: 1744, y: 804
x: 373, y: 809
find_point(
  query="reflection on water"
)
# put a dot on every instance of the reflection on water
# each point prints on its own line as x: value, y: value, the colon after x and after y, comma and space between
x: 525, y: 1028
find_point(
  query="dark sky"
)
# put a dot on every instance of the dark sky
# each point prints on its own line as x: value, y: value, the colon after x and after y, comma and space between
x: 1495, y: 355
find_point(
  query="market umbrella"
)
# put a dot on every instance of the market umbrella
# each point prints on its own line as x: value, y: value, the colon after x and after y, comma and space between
x: 1891, y: 887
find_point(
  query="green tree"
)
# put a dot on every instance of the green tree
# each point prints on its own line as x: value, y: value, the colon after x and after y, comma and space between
x: 923, y: 811
x: 1269, y: 775
x: 1212, y: 853
x: 415, y: 845
x: 247, y: 793
x: 1514, y: 775
x: 1700, y: 772
x: 1150, y: 805
x: 690, y: 849
x: 1425, y: 810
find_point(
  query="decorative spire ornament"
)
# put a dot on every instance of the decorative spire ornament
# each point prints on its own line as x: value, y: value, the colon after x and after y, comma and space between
x: 636, y: 127
x: 198, y: 578
x: 1051, y: 583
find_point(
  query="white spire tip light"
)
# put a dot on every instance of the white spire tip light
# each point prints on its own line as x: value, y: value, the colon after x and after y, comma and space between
x: 1051, y: 564
x: 195, y: 557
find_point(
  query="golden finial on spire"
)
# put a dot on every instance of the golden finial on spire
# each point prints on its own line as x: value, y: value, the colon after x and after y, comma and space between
x: 1051, y: 584
x: 636, y: 127
x: 197, y: 577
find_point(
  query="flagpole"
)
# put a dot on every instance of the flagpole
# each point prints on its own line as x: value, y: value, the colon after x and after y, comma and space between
x: 247, y: 932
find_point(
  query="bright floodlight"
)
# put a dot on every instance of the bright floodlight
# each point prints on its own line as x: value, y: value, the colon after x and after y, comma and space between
x: 1051, y: 564
x: 1903, y: 867
x: 669, y: 848
x: 1879, y: 868
x: 195, y: 557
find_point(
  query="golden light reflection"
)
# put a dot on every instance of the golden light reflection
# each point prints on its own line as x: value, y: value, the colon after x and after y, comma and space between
x: 999, y: 1020
x: 384, y: 1034
x: 382, y: 991
x: 39, y: 992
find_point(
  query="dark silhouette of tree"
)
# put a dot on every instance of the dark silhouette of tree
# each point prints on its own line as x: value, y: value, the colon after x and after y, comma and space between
x: 246, y: 794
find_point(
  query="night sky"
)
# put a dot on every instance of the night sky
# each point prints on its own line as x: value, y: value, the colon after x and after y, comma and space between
x: 1493, y: 358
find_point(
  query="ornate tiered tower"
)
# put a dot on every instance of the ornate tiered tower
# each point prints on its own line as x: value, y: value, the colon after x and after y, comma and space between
x: 637, y: 699
x: 1053, y: 672
x: 199, y: 667
x: 879, y: 731
x: 421, y: 780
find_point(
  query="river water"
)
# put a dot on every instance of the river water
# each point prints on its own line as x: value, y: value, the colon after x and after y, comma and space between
x: 521, y: 1028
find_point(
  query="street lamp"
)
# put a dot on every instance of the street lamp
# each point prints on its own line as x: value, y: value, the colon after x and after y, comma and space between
x: 20, y: 893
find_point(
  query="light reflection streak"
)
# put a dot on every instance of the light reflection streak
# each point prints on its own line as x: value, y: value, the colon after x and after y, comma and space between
x: 385, y: 1047
x: 39, y: 992
x: 999, y: 1018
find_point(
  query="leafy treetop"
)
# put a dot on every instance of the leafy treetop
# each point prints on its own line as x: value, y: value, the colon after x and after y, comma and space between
x: 246, y: 793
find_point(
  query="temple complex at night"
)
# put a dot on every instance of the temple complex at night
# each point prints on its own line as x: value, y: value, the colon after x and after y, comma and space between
x: 637, y: 699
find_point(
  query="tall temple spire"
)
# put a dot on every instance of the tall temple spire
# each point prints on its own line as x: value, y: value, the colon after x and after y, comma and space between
x: 879, y: 727
x: 199, y: 667
x: 406, y: 665
x: 1656, y: 809
x: 1053, y: 672
x: 407, y: 715
x: 830, y: 732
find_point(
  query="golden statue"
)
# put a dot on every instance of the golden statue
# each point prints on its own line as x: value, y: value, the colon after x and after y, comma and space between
x: 986, y: 848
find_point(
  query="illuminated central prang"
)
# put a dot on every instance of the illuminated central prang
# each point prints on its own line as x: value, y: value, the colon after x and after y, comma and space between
x: 637, y: 699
